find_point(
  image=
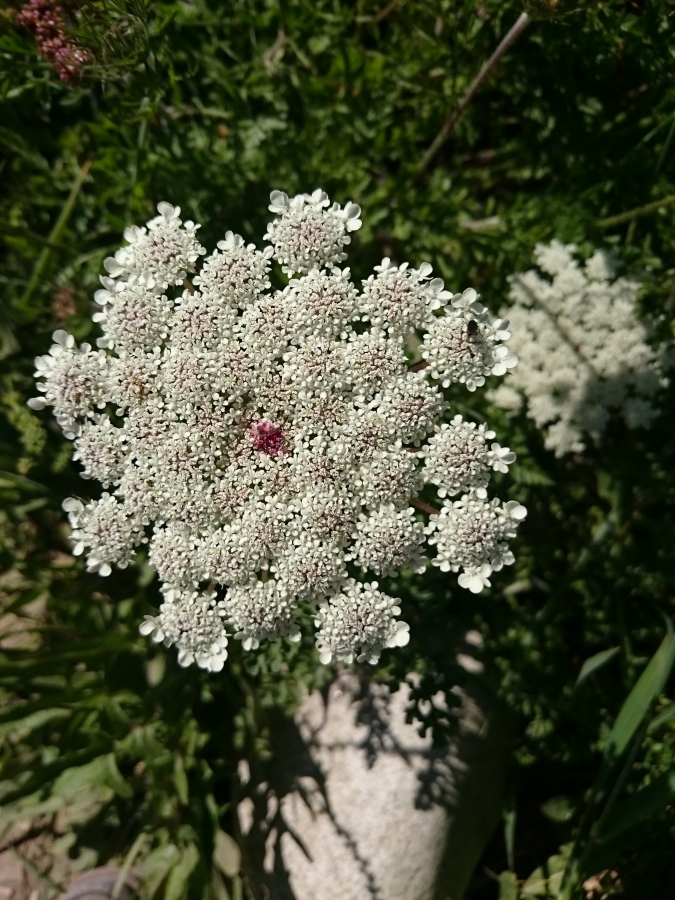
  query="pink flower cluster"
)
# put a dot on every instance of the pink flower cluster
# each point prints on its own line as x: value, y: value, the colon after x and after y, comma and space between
x: 268, y: 438
x: 46, y: 22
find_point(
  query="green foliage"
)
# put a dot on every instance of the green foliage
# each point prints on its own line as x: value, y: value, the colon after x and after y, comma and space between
x: 211, y: 105
x: 610, y: 825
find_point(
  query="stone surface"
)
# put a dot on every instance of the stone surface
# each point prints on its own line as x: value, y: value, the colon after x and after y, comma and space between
x: 355, y: 805
x: 12, y: 877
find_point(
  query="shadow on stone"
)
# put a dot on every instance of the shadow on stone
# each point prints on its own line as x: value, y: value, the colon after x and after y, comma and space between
x: 356, y: 805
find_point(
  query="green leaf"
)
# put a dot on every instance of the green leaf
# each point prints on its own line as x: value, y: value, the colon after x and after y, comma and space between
x: 30, y: 807
x: 546, y: 881
x: 11, y: 479
x: 634, y: 709
x: 156, y: 866
x: 318, y: 43
x: 661, y: 718
x: 19, y: 723
x: 26, y: 668
x: 176, y: 884
x: 62, y: 777
x: 129, y: 859
x: 114, y: 779
x: 541, y: 885
x: 558, y: 809
x: 646, y: 803
x: 81, y: 782
x: 220, y: 892
x: 508, y: 886
x: 180, y: 780
x: 648, y: 687
x: 593, y: 663
x: 142, y: 741
x: 226, y: 854
x: 113, y: 712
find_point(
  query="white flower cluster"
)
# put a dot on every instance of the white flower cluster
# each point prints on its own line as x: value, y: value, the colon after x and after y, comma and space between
x: 584, y: 352
x: 269, y: 445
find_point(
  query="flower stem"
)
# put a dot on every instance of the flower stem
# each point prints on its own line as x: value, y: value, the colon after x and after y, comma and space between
x: 633, y: 214
x: 446, y: 129
x: 56, y: 234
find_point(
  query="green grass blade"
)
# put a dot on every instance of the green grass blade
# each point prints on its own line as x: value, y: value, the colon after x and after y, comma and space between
x: 648, y: 687
x: 661, y: 718
x: 593, y: 663
x: 129, y: 860
x: 631, y: 715
x: 644, y: 804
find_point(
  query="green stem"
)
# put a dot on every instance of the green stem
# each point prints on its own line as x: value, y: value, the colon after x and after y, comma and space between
x: 636, y: 213
x: 55, y: 235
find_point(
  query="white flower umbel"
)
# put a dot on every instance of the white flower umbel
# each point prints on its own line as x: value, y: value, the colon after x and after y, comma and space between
x: 99, y: 448
x: 359, y: 623
x: 457, y: 458
x: 133, y: 316
x: 584, y: 352
x: 270, y: 444
x: 464, y: 345
x: 388, y: 539
x: 236, y: 273
x: 193, y: 622
x: 75, y: 382
x: 471, y: 534
x: 107, y: 528
x: 260, y: 611
x: 164, y: 250
x: 399, y: 300
x: 308, y: 232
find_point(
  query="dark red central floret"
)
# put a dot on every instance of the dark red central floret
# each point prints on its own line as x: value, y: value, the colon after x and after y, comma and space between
x: 267, y: 438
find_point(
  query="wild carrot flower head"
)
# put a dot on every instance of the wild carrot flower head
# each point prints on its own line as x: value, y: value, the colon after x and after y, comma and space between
x: 585, y: 352
x: 271, y: 445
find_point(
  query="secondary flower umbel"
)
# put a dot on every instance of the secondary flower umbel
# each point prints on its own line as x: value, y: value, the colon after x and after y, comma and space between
x: 275, y: 443
x: 585, y: 352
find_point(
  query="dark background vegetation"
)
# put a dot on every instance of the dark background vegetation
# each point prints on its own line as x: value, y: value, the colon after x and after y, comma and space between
x: 210, y: 106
